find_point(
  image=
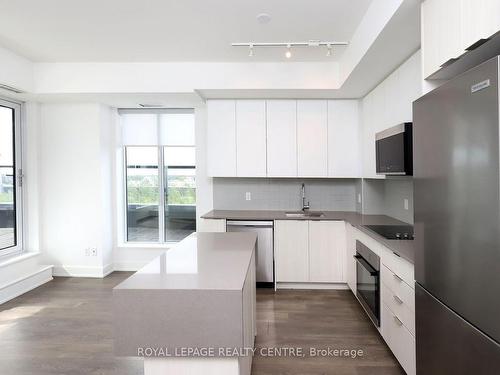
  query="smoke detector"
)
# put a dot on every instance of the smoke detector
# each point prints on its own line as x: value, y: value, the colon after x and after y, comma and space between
x: 263, y: 18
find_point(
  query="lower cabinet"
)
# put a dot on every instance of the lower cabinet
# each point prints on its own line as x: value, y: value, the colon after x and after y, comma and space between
x: 327, y: 251
x: 310, y: 251
x: 291, y: 250
x: 350, y: 263
x: 399, y: 339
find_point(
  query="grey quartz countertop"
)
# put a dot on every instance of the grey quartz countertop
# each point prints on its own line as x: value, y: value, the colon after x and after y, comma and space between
x: 202, y: 261
x: 403, y: 248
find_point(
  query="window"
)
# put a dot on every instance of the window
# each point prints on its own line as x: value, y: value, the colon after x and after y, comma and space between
x: 160, y: 174
x: 10, y: 170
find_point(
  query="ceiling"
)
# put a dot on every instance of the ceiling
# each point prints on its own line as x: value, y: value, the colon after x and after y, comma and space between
x: 173, y: 30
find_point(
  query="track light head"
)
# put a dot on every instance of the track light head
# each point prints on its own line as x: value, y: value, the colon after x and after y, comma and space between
x: 250, y: 50
x: 288, y: 52
x: 329, y: 50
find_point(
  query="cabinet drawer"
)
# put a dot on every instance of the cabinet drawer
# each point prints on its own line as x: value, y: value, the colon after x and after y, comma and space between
x: 398, y: 286
x: 400, y: 267
x: 399, y: 340
x: 400, y: 308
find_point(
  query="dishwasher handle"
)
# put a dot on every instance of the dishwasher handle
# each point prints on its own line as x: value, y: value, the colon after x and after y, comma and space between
x: 245, y: 223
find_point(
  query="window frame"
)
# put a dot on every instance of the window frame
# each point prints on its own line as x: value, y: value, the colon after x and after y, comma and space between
x: 162, y: 234
x: 18, y: 248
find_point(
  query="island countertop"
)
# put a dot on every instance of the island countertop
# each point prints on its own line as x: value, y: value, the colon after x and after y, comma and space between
x: 209, y: 261
x: 199, y: 294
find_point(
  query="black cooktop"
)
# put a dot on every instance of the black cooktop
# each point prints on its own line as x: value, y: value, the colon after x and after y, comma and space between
x: 393, y: 232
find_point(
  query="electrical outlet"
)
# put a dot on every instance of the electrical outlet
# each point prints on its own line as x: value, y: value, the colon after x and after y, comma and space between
x: 406, y: 204
x: 359, y: 198
x: 91, y: 252
x: 248, y: 196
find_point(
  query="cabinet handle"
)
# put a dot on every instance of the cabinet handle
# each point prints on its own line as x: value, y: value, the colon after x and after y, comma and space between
x: 448, y: 62
x: 398, y: 322
x: 397, y: 299
x: 477, y: 43
x: 397, y: 277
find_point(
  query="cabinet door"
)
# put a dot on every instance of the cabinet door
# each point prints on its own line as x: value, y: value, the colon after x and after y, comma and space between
x: 441, y: 33
x: 480, y: 19
x: 282, y: 138
x: 350, y: 261
x: 344, y: 157
x: 312, y: 132
x: 221, y: 138
x: 291, y: 250
x: 327, y: 249
x: 251, y: 138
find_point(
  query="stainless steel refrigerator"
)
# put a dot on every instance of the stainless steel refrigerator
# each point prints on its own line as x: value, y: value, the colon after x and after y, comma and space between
x: 457, y: 224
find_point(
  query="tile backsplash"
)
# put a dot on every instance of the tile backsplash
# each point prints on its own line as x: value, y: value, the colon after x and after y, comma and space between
x: 284, y: 194
x: 387, y: 197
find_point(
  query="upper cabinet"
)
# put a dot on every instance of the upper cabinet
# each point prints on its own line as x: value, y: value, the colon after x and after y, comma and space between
x: 312, y: 136
x: 251, y: 138
x: 221, y: 138
x: 449, y: 27
x: 343, y: 139
x: 282, y: 138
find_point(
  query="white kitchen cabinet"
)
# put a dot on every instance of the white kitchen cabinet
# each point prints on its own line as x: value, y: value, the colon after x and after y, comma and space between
x: 343, y: 139
x: 350, y: 263
x: 221, y: 138
x: 291, y: 250
x: 327, y: 251
x: 441, y: 33
x: 399, y: 339
x: 479, y: 19
x: 251, y: 138
x: 282, y: 138
x: 312, y: 136
x: 449, y: 27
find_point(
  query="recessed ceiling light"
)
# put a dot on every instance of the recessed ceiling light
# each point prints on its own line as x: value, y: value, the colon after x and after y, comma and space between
x: 263, y: 18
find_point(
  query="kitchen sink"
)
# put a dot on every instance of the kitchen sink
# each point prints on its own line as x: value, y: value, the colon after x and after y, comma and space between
x: 304, y: 214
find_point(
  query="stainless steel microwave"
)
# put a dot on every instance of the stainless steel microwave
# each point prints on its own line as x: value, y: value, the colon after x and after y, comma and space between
x: 394, y: 152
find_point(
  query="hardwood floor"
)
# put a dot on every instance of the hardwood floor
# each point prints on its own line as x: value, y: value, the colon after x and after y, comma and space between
x: 65, y: 327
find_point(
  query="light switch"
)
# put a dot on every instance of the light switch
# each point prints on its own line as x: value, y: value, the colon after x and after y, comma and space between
x: 248, y: 196
x: 406, y: 204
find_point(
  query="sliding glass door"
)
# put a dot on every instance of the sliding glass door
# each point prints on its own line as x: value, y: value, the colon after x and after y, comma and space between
x: 10, y: 184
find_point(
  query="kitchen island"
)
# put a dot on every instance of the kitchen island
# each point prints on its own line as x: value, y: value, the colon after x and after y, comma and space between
x: 192, y: 309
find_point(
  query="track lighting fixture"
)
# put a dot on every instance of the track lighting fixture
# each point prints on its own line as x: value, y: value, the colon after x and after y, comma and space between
x: 289, y: 45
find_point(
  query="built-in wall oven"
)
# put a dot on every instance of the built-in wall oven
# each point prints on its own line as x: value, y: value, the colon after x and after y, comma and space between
x: 368, y: 281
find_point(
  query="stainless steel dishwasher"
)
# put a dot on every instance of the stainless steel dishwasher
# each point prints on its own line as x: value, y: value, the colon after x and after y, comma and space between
x: 264, y: 255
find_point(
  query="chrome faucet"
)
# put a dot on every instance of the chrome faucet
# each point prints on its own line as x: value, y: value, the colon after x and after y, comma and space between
x: 304, y: 205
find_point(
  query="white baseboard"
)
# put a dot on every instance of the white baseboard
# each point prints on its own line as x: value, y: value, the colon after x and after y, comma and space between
x: 333, y: 286
x: 79, y: 271
x: 25, y: 284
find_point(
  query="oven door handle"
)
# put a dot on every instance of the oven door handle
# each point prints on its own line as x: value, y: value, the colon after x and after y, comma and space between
x: 365, y: 264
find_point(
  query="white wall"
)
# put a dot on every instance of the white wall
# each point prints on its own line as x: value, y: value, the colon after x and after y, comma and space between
x: 75, y: 189
x: 51, y: 78
x: 16, y: 71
